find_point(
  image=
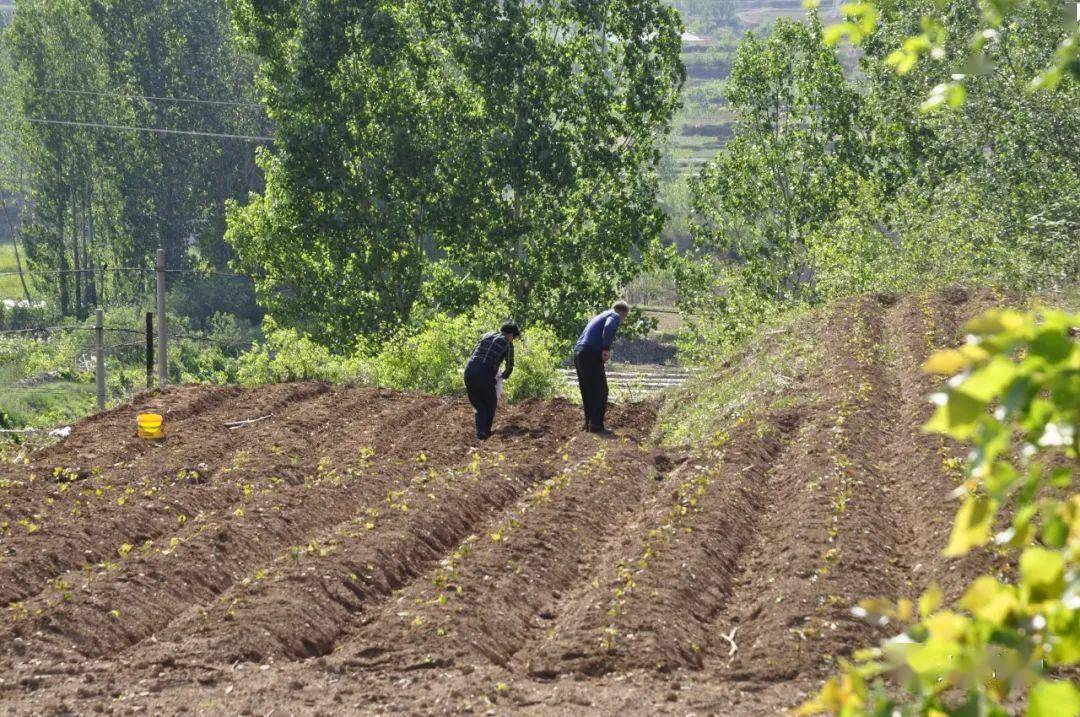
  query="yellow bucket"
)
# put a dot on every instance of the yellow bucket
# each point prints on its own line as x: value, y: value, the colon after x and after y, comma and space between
x: 150, y: 426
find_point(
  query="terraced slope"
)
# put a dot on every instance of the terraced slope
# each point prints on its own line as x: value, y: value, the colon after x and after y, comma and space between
x: 359, y: 552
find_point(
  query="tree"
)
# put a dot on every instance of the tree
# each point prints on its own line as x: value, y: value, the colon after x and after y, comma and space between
x: 100, y: 197
x: 10, y: 167
x: 795, y: 152
x: 174, y: 187
x: 1000, y: 149
x: 428, y: 151
x: 856, y: 187
x: 57, y: 44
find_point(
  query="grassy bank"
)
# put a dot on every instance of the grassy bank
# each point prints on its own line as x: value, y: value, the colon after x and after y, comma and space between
x: 10, y: 288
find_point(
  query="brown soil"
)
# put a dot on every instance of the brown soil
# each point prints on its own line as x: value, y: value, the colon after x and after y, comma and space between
x: 360, y: 552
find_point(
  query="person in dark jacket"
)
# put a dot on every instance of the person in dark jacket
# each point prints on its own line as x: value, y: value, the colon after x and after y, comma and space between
x: 481, y: 374
x: 591, y: 352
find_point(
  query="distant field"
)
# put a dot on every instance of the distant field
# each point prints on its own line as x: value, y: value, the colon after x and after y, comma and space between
x: 668, y: 319
x: 9, y: 285
x: 47, y: 405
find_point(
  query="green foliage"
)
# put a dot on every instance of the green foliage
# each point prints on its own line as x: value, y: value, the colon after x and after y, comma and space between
x: 473, y: 144
x: 22, y: 316
x: 10, y: 288
x: 48, y: 380
x: 200, y: 299
x: 428, y: 357
x: 707, y: 15
x: 973, y: 51
x: 721, y: 309
x: 536, y: 373
x: 1017, y: 379
x: 874, y: 245
x: 285, y: 355
x: 738, y: 384
x: 431, y: 358
x: 59, y: 403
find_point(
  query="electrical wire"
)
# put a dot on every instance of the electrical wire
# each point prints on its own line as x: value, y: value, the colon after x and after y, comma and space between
x: 68, y: 272
x: 50, y: 329
x: 189, y: 100
x: 197, y: 272
x: 153, y: 130
x: 208, y: 340
x: 107, y: 269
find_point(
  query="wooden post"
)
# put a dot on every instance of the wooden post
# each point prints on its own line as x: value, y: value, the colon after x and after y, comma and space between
x: 99, y: 355
x: 163, y: 336
x: 149, y: 350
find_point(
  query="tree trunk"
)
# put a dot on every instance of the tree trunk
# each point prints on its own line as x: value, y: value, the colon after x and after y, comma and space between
x: 521, y: 286
x: 88, y: 249
x: 65, y: 289
x: 75, y: 258
x: 15, y: 245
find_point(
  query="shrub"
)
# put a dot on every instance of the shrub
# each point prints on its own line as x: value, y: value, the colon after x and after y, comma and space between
x: 285, y: 356
x: 431, y: 358
x: 720, y: 308
x: 19, y: 317
x: 536, y: 371
x: 913, y: 243
x: 428, y: 360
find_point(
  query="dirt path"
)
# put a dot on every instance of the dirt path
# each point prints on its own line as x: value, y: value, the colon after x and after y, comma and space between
x: 359, y: 552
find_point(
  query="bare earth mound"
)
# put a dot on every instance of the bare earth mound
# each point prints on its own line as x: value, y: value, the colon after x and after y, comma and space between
x: 359, y: 552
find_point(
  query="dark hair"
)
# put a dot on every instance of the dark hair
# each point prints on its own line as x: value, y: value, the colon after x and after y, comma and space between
x: 511, y: 328
x: 621, y: 307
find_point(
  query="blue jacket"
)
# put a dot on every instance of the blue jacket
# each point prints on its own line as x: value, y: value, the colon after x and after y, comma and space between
x: 600, y: 333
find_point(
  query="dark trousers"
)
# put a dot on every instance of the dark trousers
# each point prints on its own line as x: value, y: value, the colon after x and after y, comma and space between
x: 480, y: 383
x: 592, y: 378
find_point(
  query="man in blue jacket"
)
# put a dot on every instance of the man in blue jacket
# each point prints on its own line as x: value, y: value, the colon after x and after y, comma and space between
x: 591, y: 352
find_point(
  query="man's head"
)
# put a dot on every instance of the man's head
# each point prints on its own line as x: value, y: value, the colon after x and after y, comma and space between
x: 621, y: 308
x: 510, y: 330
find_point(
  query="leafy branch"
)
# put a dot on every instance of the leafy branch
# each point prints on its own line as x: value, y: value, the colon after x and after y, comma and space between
x: 861, y: 20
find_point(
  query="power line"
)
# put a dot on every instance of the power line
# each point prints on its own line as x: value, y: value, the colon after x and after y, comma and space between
x: 189, y: 100
x: 208, y: 340
x: 108, y: 269
x: 178, y: 336
x: 197, y: 272
x: 153, y: 130
x: 53, y: 329
x: 68, y: 272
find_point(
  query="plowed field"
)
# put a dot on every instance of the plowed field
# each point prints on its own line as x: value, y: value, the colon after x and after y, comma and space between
x: 359, y: 552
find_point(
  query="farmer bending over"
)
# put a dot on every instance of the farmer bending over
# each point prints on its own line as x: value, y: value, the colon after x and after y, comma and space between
x: 591, y: 352
x: 480, y: 374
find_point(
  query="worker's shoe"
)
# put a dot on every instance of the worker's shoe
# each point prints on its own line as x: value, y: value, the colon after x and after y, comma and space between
x: 483, y: 436
x: 600, y: 431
